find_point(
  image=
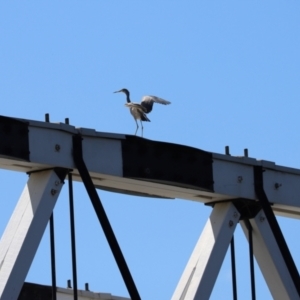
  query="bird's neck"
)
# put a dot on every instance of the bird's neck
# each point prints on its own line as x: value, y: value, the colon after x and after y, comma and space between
x: 127, y: 98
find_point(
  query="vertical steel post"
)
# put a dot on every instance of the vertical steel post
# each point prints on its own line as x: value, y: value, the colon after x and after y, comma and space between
x: 73, y: 244
x: 233, y: 270
x: 52, y: 250
x: 252, y: 275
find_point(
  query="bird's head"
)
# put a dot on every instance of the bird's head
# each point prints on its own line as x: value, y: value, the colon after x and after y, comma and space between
x: 125, y: 91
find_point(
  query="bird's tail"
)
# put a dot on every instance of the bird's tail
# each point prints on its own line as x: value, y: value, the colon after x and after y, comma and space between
x: 145, y: 118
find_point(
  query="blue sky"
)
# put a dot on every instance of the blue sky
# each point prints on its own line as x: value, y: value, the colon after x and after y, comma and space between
x: 231, y: 70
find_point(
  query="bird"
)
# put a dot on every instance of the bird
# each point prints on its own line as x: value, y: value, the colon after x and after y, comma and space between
x: 139, y: 110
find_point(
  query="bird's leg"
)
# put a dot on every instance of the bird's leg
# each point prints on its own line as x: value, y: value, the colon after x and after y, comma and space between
x: 142, y: 127
x: 137, y: 126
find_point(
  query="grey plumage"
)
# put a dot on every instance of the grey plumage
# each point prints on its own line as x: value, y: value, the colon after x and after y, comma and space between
x: 139, y: 110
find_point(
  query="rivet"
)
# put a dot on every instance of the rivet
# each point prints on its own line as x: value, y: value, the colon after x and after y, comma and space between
x: 277, y: 185
x: 53, y: 192
x: 57, y: 147
x: 240, y: 179
x: 261, y: 218
x: 230, y: 223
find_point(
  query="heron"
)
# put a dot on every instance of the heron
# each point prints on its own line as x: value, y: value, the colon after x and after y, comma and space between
x: 139, y: 110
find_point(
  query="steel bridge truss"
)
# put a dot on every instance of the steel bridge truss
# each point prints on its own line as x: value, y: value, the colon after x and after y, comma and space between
x: 240, y: 190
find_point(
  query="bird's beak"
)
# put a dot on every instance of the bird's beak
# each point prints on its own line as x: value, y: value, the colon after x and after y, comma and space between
x: 117, y: 92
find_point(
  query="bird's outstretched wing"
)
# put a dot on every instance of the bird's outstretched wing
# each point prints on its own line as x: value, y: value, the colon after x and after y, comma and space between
x: 147, y: 99
x: 147, y: 102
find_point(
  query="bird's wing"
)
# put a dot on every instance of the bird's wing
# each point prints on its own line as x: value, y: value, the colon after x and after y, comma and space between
x: 152, y: 99
x: 135, y: 105
x: 148, y: 101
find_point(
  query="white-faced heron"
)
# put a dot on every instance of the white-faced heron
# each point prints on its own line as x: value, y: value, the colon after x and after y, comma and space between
x: 139, y: 110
